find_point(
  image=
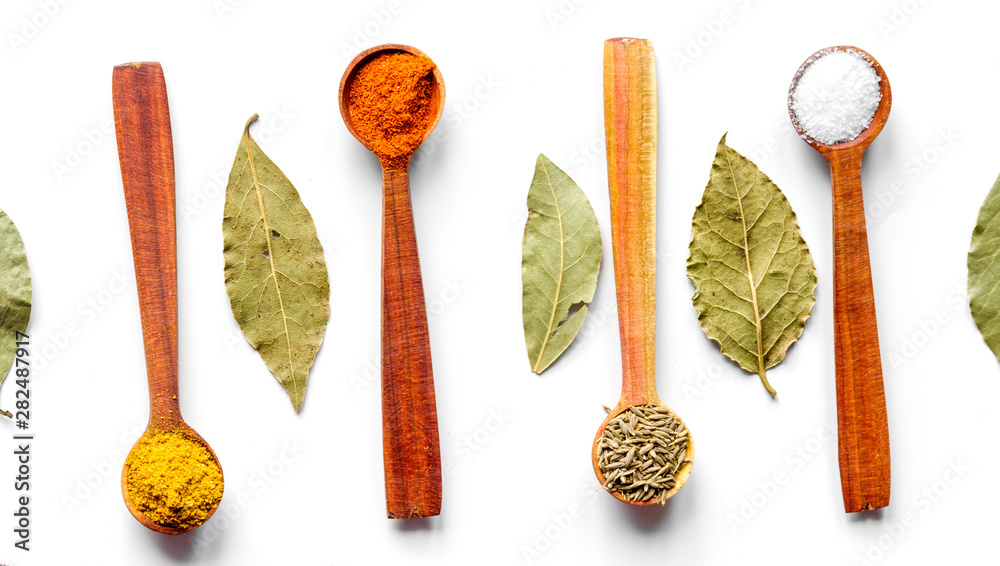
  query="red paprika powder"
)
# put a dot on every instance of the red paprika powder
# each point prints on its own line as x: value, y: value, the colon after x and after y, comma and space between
x: 389, y: 102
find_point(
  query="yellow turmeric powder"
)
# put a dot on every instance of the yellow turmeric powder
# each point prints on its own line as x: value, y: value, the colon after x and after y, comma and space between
x: 173, y: 479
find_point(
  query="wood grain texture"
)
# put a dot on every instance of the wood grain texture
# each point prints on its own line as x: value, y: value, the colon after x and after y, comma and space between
x: 410, y: 444
x: 145, y: 150
x: 630, y: 119
x: 862, y: 421
x: 146, y: 156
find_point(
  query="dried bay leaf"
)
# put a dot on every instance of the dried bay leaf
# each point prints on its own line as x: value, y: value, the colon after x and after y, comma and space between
x: 275, y: 272
x: 15, y: 294
x: 754, y: 279
x: 984, y: 270
x: 560, y: 258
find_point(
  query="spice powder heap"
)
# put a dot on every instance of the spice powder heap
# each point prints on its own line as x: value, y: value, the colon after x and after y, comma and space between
x: 173, y: 479
x: 389, y: 103
x: 641, y: 451
x: 836, y: 96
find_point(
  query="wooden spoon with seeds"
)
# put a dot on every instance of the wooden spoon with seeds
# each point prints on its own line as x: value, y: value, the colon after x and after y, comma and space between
x: 145, y: 150
x: 630, y: 122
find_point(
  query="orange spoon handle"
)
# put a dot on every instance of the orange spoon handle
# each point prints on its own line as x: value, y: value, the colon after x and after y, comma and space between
x: 630, y: 132
x: 862, y: 424
x: 145, y: 151
x: 410, y: 443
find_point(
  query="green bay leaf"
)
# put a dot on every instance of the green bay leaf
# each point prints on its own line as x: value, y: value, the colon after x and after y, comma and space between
x: 15, y: 294
x: 275, y: 272
x: 560, y: 258
x: 753, y: 275
x: 984, y: 270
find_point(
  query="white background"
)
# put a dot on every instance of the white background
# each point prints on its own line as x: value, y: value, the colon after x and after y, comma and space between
x: 523, y: 78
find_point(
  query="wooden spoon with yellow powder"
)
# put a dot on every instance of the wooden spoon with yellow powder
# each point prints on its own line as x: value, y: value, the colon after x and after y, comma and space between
x: 171, y: 481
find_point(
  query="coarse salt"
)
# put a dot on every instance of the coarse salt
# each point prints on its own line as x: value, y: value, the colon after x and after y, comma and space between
x: 836, y: 96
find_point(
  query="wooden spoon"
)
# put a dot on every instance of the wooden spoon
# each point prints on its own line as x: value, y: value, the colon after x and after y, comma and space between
x: 630, y: 123
x: 410, y: 444
x: 862, y: 426
x: 145, y: 150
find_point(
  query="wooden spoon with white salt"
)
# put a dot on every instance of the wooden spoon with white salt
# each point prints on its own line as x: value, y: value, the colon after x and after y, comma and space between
x: 838, y: 101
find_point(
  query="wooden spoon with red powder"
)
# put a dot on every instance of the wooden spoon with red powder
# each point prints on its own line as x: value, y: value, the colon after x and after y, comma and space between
x: 391, y: 97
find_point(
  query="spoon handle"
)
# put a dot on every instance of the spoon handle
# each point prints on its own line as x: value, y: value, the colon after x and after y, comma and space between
x: 862, y: 425
x: 410, y: 444
x: 145, y: 152
x: 630, y: 132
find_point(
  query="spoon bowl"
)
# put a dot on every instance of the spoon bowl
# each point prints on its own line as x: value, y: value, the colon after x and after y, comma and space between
x: 867, y: 136
x: 680, y: 477
x: 436, y: 104
x: 410, y: 445
x: 862, y: 424
x: 175, y: 426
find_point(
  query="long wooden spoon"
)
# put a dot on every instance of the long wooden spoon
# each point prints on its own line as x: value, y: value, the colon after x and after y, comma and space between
x: 145, y: 150
x: 410, y: 444
x: 862, y: 425
x: 630, y: 122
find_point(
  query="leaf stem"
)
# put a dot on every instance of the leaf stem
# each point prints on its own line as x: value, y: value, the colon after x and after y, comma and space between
x: 763, y: 379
